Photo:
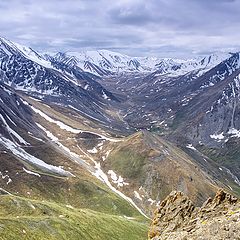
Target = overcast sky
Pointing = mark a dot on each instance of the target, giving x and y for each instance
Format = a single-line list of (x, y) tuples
[(164, 28)]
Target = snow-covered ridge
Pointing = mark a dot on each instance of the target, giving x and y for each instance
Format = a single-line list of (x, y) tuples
[(25, 51), (104, 61)]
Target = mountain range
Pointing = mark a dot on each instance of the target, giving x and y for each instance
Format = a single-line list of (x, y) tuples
[(102, 138)]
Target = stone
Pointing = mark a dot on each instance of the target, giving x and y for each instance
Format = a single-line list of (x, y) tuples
[(178, 219)]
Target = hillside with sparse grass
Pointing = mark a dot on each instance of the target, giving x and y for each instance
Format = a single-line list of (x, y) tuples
[(22, 218)]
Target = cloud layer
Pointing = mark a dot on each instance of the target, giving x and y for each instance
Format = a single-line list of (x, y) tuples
[(135, 27)]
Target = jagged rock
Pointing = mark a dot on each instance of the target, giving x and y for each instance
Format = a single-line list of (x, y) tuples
[(178, 218), (172, 213)]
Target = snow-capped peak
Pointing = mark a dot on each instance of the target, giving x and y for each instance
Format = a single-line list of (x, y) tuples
[(10, 48)]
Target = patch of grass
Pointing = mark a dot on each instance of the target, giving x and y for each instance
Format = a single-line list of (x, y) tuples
[(22, 219), (155, 129), (127, 162), (179, 118), (85, 193)]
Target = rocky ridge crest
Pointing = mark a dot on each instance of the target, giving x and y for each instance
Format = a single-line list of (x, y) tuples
[(178, 219)]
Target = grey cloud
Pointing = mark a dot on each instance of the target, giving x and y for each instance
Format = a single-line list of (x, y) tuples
[(138, 14), (135, 27)]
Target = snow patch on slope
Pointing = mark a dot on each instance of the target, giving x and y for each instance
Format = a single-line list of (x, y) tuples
[(62, 125), (30, 172), (217, 136), (234, 132), (22, 154), (65, 127), (12, 132), (117, 179), (190, 146)]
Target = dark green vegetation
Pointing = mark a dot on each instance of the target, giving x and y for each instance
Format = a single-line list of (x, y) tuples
[(228, 159), (128, 163)]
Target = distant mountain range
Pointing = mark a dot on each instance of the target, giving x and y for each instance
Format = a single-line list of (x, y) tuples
[(105, 62)]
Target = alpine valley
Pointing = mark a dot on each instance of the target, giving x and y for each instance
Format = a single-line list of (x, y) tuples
[(92, 142)]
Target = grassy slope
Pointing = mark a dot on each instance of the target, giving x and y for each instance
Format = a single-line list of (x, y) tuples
[(82, 191), (21, 218), (146, 160), (103, 217)]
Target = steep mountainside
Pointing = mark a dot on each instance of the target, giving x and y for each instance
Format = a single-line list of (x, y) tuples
[(20, 70), (210, 101), (144, 161), (210, 120)]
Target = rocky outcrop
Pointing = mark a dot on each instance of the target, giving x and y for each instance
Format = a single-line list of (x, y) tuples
[(177, 218)]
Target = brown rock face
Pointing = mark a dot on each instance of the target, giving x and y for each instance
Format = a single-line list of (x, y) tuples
[(172, 214), (178, 218)]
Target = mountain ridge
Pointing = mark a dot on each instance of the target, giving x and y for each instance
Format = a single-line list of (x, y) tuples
[(103, 62)]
